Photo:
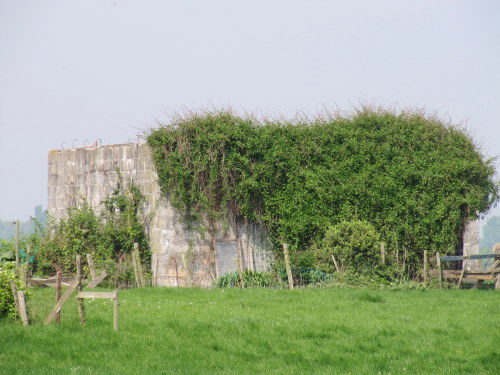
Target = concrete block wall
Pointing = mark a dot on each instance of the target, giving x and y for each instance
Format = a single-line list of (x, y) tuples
[(180, 257)]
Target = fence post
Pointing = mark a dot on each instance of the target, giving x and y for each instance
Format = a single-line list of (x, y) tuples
[(136, 261), (426, 268), (17, 246), (287, 265), (115, 311), (90, 261), (440, 270), (188, 271), (27, 265), (22, 307), (58, 295), (81, 306), (382, 252)]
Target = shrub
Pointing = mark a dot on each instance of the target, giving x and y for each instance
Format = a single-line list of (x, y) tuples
[(250, 278), (7, 302), (354, 244)]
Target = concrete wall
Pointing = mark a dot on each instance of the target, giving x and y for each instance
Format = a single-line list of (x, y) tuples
[(180, 255)]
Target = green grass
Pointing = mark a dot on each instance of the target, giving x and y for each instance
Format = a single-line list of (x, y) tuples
[(233, 331)]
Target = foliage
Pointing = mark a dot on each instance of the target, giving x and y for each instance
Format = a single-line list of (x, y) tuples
[(108, 236), (7, 302), (123, 225), (250, 279), (414, 178), (7, 250), (305, 276), (354, 244)]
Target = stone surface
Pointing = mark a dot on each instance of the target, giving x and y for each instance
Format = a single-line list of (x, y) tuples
[(180, 256)]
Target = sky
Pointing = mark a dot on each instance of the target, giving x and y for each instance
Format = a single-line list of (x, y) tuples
[(73, 72)]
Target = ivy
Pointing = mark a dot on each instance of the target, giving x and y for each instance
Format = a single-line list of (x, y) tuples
[(415, 179)]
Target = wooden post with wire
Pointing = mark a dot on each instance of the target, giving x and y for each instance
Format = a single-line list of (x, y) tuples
[(382, 253), (81, 306), (58, 295), (90, 261), (440, 270), (426, 268), (17, 246), (287, 265)]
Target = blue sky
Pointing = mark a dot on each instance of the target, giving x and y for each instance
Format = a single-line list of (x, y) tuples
[(75, 71)]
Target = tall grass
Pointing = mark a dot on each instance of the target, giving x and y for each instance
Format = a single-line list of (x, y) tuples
[(233, 331)]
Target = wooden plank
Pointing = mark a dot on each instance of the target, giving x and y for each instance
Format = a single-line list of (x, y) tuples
[(61, 302), (450, 258), (455, 274), (287, 265), (107, 295), (14, 293), (497, 284), (97, 280), (51, 281), (22, 308)]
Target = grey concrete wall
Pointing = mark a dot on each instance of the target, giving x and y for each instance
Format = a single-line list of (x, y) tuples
[(181, 256), (471, 239)]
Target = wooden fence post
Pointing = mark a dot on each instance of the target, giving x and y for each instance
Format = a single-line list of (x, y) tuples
[(462, 274), (22, 308), (27, 265), (81, 306), (90, 261), (58, 295), (440, 270), (115, 311), (136, 261), (287, 265), (382, 252), (17, 246), (335, 263), (188, 271), (426, 268)]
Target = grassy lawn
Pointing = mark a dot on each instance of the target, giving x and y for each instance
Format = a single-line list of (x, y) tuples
[(320, 331)]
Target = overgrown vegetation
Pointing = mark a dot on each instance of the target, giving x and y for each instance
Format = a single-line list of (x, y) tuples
[(411, 178), (108, 235), (7, 301)]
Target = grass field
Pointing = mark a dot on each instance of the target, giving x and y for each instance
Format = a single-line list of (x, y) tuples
[(253, 331)]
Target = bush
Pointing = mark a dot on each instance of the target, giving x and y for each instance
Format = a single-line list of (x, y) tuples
[(354, 244), (108, 236), (7, 302), (250, 278)]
